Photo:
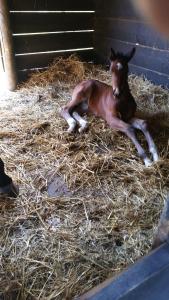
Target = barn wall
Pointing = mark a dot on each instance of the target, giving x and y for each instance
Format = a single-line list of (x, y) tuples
[(45, 29), (118, 25)]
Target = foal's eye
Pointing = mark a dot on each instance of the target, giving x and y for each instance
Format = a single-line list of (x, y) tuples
[(119, 66)]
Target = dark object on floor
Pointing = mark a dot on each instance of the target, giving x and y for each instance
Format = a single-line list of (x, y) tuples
[(7, 187)]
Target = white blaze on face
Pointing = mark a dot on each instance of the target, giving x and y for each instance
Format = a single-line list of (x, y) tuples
[(119, 66)]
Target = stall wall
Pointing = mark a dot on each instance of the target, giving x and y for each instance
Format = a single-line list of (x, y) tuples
[(118, 25), (45, 29)]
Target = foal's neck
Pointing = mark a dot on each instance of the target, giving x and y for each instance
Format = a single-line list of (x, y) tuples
[(124, 87)]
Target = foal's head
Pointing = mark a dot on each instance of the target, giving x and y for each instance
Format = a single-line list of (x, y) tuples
[(119, 69)]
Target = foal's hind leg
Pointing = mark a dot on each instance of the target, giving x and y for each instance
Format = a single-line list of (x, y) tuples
[(128, 129), (142, 125)]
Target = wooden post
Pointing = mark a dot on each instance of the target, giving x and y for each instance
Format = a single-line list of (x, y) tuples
[(1, 61), (7, 47)]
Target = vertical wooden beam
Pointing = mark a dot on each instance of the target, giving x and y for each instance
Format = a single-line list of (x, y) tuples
[(7, 47), (1, 61)]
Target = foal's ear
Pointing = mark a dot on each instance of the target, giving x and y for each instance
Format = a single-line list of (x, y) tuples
[(130, 55), (112, 54)]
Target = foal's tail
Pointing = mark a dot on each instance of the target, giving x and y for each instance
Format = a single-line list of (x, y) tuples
[(7, 187), (162, 234)]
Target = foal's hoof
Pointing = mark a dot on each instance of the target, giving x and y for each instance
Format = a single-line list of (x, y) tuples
[(83, 129), (147, 162), (72, 125), (155, 157), (71, 130)]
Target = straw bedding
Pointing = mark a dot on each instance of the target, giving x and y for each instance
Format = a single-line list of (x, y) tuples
[(107, 204)]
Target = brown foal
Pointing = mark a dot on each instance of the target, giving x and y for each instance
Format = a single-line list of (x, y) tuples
[(115, 104)]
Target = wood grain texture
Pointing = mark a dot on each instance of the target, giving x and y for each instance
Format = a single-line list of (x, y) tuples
[(52, 42), (7, 46), (117, 9), (47, 22), (43, 60), (50, 5)]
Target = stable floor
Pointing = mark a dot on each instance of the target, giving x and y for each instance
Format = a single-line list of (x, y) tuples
[(106, 204)]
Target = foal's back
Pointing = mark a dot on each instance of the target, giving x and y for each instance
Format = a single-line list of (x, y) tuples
[(100, 100), (97, 95)]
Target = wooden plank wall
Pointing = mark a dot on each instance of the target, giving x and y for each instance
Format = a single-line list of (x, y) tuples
[(118, 25), (41, 28)]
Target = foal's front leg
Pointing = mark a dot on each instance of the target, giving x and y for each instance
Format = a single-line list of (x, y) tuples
[(142, 125), (128, 129), (82, 122), (64, 112), (67, 110)]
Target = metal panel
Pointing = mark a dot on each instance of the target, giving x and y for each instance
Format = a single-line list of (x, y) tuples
[(131, 31), (118, 25), (146, 280), (146, 57)]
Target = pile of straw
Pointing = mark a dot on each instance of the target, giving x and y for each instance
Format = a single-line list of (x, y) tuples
[(108, 204), (68, 70)]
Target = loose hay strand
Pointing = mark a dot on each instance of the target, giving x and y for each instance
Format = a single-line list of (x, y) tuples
[(107, 203)]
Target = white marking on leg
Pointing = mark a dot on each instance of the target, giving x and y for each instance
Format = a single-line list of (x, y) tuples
[(155, 157), (72, 124), (154, 153), (142, 125), (83, 123), (147, 162)]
